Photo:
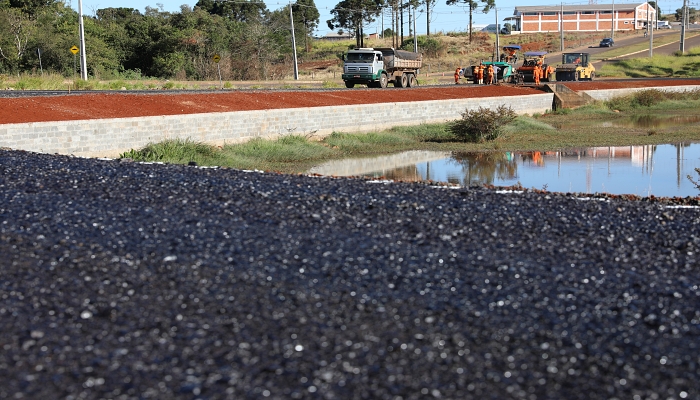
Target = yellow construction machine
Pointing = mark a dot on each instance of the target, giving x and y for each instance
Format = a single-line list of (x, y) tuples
[(575, 67)]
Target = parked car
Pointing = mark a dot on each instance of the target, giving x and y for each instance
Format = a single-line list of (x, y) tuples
[(664, 26), (607, 42)]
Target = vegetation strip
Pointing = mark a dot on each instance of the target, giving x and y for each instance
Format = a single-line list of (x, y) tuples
[(551, 131)]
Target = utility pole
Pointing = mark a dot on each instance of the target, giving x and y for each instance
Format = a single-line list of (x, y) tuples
[(415, 34), (683, 22), (498, 32), (612, 28), (647, 31), (294, 43), (81, 29), (561, 27), (651, 33)]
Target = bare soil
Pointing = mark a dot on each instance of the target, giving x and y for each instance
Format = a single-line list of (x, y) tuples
[(121, 105), (80, 106)]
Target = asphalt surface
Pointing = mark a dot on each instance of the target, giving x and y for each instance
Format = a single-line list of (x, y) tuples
[(122, 280)]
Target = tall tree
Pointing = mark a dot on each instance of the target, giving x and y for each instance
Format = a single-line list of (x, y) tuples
[(305, 11), (31, 7), (429, 7), (692, 14), (17, 30), (353, 14), (243, 11), (473, 5)]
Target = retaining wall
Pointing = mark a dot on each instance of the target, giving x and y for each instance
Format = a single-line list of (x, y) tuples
[(109, 137)]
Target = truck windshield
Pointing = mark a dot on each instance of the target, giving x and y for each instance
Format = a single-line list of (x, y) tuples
[(360, 57)]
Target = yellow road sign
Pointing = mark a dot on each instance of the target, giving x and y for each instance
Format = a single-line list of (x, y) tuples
[(216, 58), (74, 49)]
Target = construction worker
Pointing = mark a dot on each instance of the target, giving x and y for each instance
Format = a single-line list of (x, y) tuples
[(480, 74), (457, 73), (537, 73), (489, 74)]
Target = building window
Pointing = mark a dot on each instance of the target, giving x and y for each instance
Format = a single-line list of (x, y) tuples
[(531, 14), (627, 22), (569, 12), (549, 13), (606, 12), (587, 12)]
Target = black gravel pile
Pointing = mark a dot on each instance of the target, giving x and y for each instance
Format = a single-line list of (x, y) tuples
[(122, 280)]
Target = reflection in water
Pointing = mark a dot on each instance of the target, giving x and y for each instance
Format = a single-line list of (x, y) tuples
[(401, 166), (642, 170), (483, 168), (640, 121)]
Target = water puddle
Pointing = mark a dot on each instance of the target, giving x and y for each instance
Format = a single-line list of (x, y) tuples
[(659, 170), (641, 121)]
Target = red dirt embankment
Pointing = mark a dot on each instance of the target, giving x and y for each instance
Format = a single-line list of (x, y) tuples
[(120, 105), (79, 106)]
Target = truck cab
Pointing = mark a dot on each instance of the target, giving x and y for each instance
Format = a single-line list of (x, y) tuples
[(361, 66), (377, 67)]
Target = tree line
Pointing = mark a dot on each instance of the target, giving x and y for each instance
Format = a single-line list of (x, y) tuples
[(252, 42)]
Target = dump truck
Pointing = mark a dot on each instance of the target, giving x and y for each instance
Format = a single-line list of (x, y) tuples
[(574, 67), (531, 59), (377, 67)]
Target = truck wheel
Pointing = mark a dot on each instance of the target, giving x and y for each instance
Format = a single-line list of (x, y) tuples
[(401, 81), (592, 76), (349, 85), (412, 81), (576, 76), (383, 81)]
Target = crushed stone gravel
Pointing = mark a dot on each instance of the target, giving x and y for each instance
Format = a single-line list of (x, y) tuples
[(122, 280)]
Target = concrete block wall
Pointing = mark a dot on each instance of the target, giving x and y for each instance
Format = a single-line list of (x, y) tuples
[(110, 137)]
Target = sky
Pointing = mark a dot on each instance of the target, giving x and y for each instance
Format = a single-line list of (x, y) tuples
[(444, 18)]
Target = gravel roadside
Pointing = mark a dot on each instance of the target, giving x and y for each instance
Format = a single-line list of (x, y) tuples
[(124, 280)]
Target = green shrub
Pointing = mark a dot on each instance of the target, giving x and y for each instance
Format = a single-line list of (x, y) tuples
[(430, 46), (648, 98), (483, 124)]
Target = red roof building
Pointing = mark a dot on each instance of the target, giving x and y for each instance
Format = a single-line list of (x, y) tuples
[(583, 18)]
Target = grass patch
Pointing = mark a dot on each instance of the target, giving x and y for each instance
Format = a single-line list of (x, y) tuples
[(654, 99), (684, 65), (525, 123), (364, 143), (177, 151), (48, 81), (286, 149)]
